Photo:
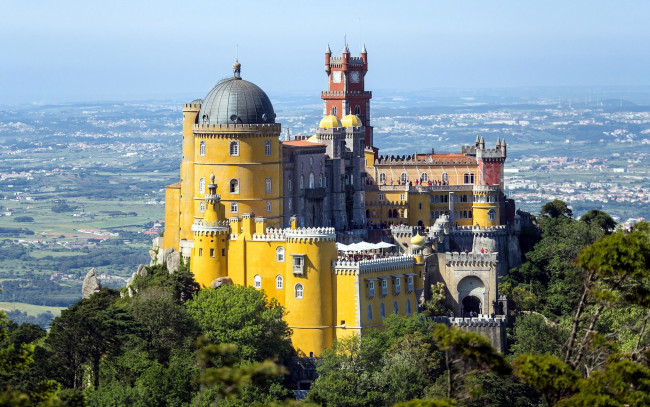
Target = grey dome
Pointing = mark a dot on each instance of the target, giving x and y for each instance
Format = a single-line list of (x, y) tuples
[(236, 101)]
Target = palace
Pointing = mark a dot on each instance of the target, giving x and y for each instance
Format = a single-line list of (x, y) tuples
[(274, 214)]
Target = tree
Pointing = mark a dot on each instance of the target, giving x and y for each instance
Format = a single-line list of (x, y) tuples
[(536, 334), (555, 209), (600, 219), (244, 317), (553, 378)]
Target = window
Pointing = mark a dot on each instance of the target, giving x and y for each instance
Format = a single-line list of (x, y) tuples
[(311, 160), (302, 181), (211, 252), (200, 252), (382, 310), (468, 178), (267, 147), (382, 178), (311, 180), (384, 286), (202, 148), (445, 178), (202, 206), (289, 184), (279, 282), (409, 283), (320, 180), (380, 197), (492, 215), (369, 312), (234, 207), (257, 281), (371, 289), (324, 181), (298, 291), (268, 206), (333, 111), (357, 110), (398, 285), (424, 177), (298, 264), (268, 184), (290, 204), (408, 306), (395, 307), (404, 178), (279, 254), (201, 185), (234, 186), (420, 206), (402, 197), (234, 148)]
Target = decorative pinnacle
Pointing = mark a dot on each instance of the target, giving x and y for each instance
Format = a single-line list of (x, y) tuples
[(329, 51), (236, 69), (363, 49), (499, 141)]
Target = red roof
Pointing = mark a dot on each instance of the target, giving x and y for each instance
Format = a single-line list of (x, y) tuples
[(302, 143)]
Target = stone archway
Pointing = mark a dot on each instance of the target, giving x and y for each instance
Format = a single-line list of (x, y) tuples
[(472, 295)]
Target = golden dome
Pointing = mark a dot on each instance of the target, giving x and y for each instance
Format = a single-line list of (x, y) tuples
[(330, 121), (313, 139), (351, 120), (417, 241)]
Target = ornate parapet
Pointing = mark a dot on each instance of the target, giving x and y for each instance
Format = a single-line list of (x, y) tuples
[(341, 266), (457, 259), (201, 228), (481, 320), (272, 235), (301, 235)]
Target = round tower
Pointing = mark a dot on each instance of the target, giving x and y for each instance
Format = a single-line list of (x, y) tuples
[(209, 255)]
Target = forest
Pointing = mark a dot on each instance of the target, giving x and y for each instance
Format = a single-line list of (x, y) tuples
[(577, 336)]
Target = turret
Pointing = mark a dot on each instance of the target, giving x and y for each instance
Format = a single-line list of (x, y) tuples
[(482, 143), (346, 58), (364, 55), (503, 148), (328, 56)]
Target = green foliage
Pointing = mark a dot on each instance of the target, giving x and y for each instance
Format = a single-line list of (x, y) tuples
[(493, 390), (61, 206), (536, 334), (23, 219), (548, 374), (427, 403), (556, 209), (600, 219), (180, 283), (244, 317), (437, 304)]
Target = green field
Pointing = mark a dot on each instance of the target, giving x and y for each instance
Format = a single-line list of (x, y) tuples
[(30, 309)]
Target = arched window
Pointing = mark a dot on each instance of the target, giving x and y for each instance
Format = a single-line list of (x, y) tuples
[(257, 281), (202, 206), (267, 147), (324, 181), (201, 185), (234, 148), (234, 186), (289, 184), (320, 180), (424, 177), (202, 148), (279, 254), (302, 181), (395, 307), (311, 180), (234, 207), (369, 312), (333, 111), (382, 178), (492, 214), (404, 178), (311, 160), (357, 110), (290, 204), (382, 310), (268, 206), (268, 185), (408, 306), (299, 291), (279, 282)]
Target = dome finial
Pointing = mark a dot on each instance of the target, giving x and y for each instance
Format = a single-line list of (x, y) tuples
[(236, 69)]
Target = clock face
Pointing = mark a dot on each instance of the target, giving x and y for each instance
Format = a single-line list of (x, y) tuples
[(336, 76), (355, 77)]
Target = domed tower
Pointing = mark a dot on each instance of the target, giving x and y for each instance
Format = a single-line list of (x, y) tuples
[(232, 134), (209, 254)]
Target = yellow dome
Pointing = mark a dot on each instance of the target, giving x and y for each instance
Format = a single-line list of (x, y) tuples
[(330, 121), (417, 241), (313, 139), (351, 120)]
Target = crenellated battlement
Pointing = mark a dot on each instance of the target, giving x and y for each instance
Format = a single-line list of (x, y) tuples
[(330, 93), (235, 128), (481, 320), (342, 266), (201, 228), (431, 159), (471, 259), (318, 234), (192, 106)]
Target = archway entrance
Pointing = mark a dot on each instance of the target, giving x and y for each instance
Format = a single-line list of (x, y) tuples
[(471, 306)]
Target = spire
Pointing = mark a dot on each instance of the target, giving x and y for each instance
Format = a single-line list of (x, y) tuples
[(346, 50), (329, 51), (498, 141), (363, 49), (236, 69), (482, 142), (477, 140), (503, 142)]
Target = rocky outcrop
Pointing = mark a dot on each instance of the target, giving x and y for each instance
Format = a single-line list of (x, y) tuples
[(173, 261), (221, 281), (91, 284)]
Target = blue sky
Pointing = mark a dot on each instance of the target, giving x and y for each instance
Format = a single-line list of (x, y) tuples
[(72, 50)]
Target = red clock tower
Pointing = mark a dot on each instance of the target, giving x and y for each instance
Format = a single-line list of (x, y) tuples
[(346, 94)]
